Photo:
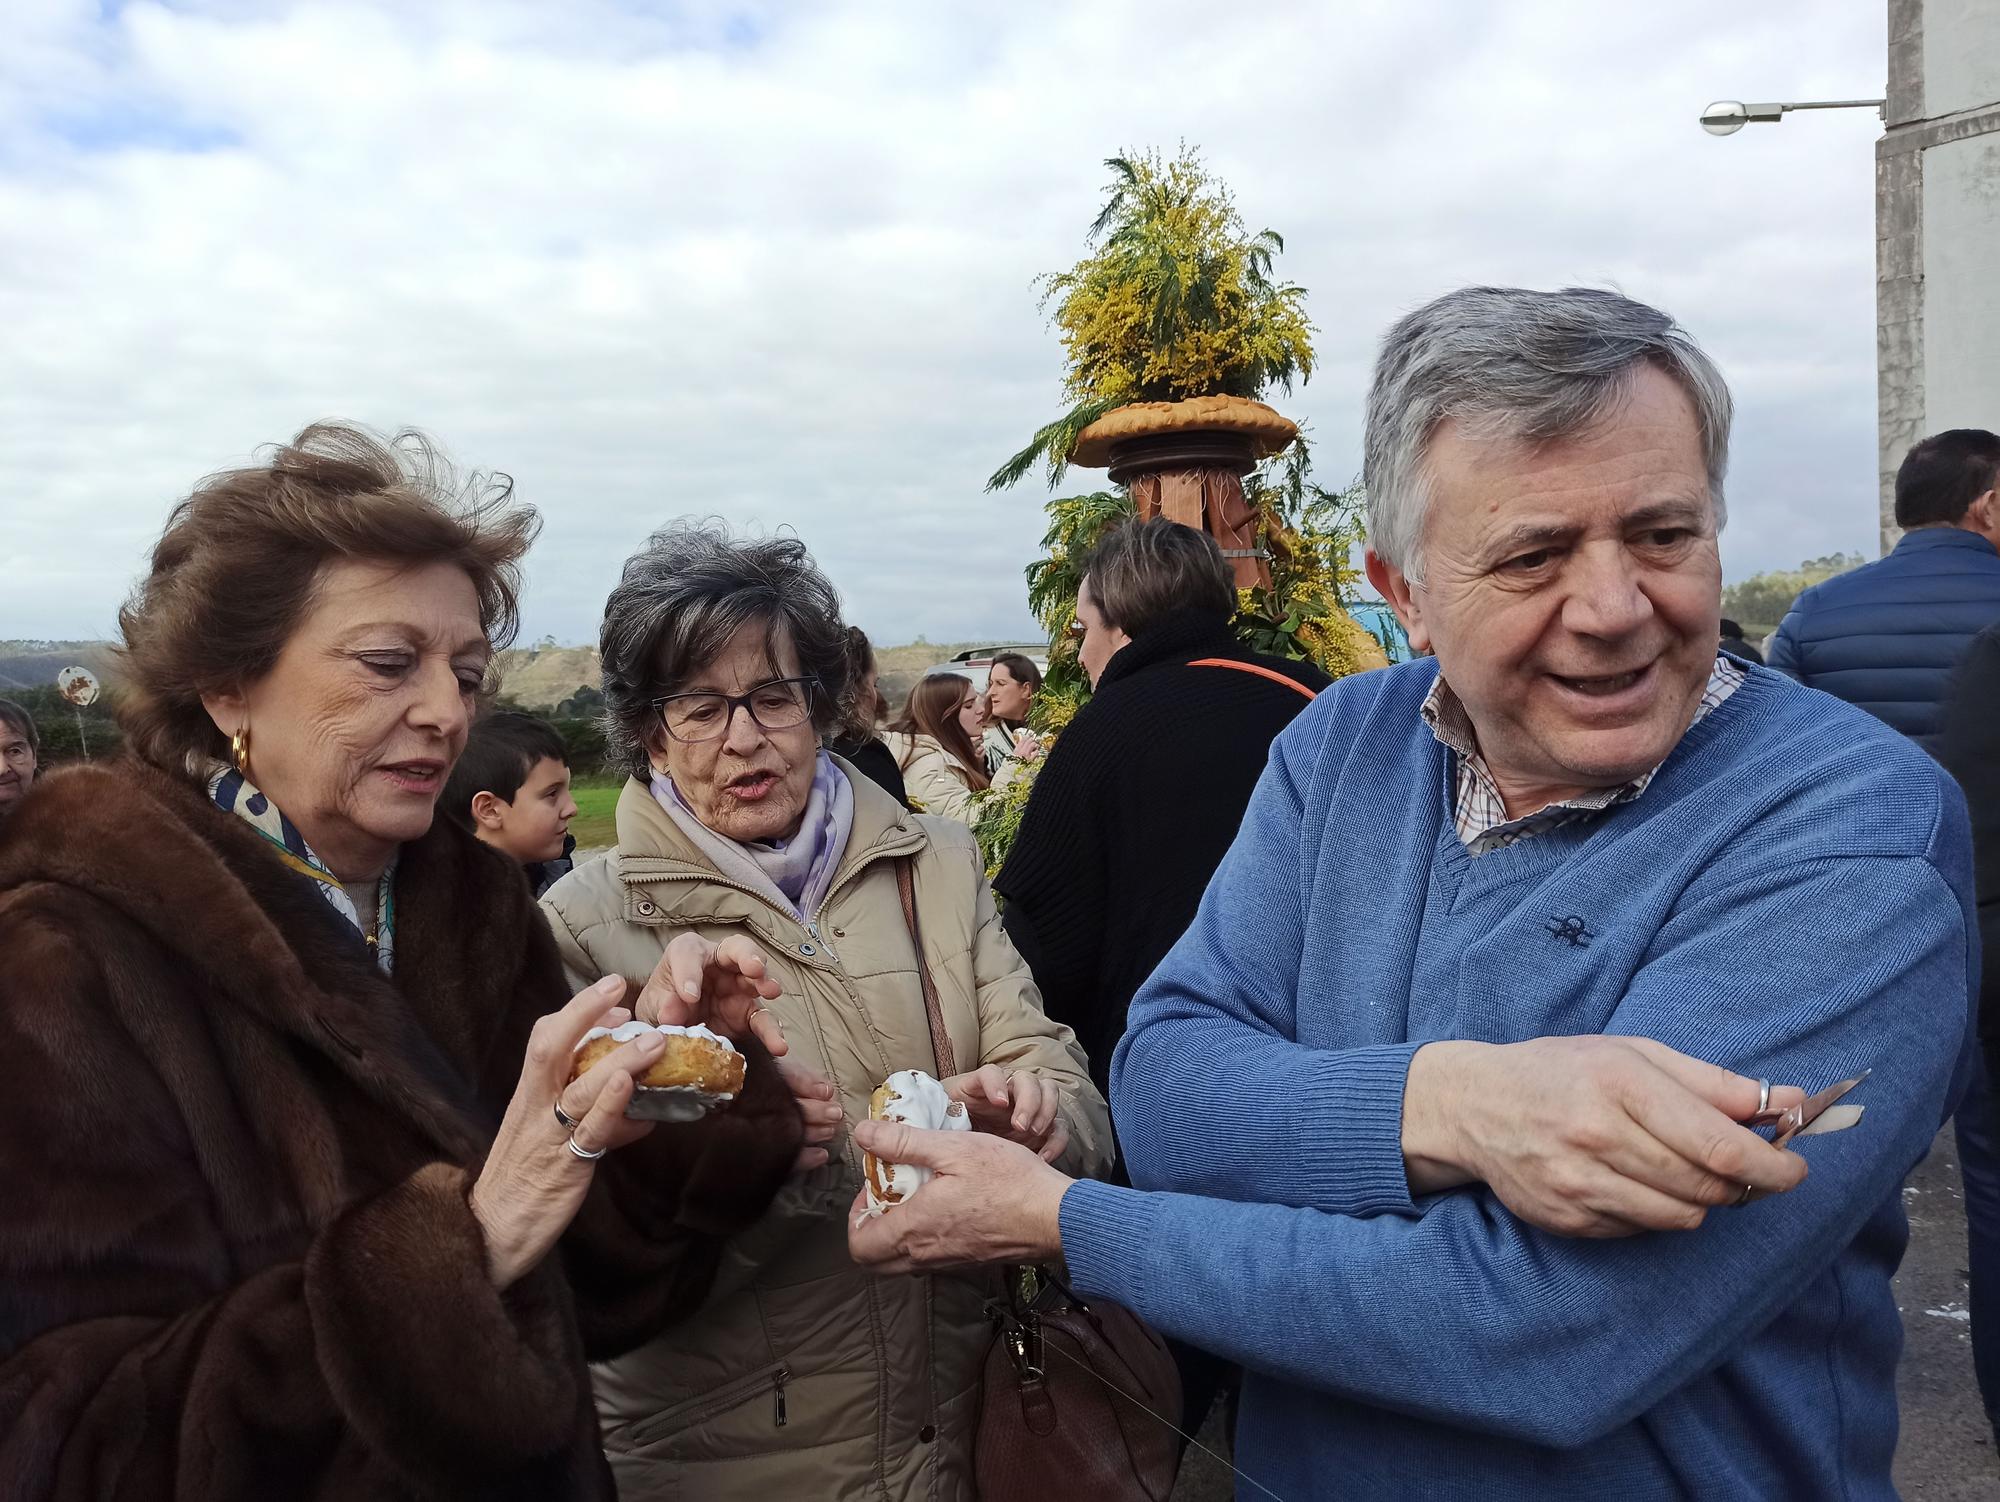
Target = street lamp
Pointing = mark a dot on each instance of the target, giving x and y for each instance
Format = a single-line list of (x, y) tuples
[(1727, 116)]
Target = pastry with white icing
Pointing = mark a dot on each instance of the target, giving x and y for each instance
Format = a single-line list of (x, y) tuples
[(698, 1070), (915, 1099)]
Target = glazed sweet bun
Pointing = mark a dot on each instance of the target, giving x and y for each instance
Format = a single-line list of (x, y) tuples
[(915, 1099), (697, 1072)]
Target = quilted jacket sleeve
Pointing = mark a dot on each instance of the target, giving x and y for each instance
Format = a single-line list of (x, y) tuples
[(1785, 653)]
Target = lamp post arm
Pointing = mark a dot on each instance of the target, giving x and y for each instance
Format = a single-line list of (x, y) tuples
[(1835, 104)]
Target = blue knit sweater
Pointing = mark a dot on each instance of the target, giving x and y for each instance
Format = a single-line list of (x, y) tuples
[(1791, 897)]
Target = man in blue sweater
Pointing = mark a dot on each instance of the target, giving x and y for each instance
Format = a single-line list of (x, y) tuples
[(1418, 1108)]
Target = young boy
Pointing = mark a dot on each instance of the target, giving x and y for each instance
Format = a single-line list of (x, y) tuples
[(511, 789)]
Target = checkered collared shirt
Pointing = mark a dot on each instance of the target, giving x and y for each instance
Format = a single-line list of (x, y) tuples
[(1481, 813)]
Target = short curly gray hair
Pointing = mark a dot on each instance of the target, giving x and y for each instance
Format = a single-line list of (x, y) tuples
[(678, 602)]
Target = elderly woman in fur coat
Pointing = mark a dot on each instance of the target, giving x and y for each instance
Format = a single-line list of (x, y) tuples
[(299, 1198)]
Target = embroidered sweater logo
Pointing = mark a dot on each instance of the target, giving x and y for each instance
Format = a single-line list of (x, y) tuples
[(1572, 928)]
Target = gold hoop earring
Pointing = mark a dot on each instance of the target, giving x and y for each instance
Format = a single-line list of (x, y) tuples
[(239, 751)]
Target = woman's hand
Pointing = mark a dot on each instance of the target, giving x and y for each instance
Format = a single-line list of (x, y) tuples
[(724, 987), (532, 1184), (812, 1093), (1590, 1136), (990, 1201), (1014, 1104)]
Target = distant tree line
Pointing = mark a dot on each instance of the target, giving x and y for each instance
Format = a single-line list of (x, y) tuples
[(1759, 602), (65, 737)]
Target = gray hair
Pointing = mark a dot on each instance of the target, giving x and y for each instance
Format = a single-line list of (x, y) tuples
[(1511, 363), (683, 596)]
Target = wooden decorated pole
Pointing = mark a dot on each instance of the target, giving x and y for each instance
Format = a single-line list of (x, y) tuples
[(1186, 461)]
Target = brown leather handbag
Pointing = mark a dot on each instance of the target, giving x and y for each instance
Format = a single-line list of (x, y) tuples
[(1081, 1399)]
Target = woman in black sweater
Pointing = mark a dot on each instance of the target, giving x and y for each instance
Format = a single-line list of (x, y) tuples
[(1144, 790), (1141, 797)]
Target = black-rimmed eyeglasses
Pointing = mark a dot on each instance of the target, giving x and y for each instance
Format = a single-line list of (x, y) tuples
[(781, 704)]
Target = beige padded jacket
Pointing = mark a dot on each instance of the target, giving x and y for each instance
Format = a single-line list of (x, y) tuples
[(804, 1376), (932, 776)]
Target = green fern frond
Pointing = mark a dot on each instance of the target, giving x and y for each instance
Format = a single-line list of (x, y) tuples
[(997, 815), (1052, 444), (1016, 468), (1125, 181)]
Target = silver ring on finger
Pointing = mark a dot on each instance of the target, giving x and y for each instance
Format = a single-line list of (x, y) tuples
[(1763, 1096), (569, 1122), (1744, 1198), (583, 1152)]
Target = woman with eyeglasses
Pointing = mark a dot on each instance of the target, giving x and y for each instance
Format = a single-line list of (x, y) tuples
[(725, 664)]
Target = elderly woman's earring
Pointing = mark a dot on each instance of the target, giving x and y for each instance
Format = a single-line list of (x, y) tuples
[(239, 750)]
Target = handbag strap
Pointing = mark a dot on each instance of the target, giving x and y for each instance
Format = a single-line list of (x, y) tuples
[(906, 888), (1262, 672)]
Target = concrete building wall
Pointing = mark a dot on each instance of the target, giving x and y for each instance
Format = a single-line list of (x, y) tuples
[(1962, 283), (1961, 56), (1937, 215)]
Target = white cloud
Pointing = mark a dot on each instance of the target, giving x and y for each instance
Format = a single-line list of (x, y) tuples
[(775, 263)]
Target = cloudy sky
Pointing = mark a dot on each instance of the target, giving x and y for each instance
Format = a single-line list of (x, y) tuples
[(774, 262)]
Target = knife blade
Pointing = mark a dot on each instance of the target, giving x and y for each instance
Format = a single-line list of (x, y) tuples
[(1803, 1118), (1833, 1119)]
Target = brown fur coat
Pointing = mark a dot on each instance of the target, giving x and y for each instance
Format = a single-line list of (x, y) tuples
[(236, 1258)]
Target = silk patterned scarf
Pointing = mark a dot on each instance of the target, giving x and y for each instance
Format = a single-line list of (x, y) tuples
[(234, 793)]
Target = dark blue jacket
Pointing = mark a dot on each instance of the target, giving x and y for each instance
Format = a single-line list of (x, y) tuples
[(1887, 637), (1970, 751)]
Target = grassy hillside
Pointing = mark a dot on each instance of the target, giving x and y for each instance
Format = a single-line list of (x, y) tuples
[(541, 677), (596, 797), (34, 664)]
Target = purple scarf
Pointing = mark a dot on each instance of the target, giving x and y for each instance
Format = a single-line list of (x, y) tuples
[(796, 873)]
